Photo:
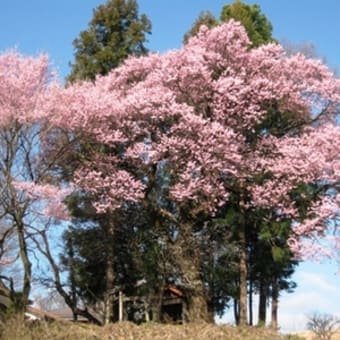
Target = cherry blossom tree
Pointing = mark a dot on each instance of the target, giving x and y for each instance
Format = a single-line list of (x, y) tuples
[(24, 172), (227, 119)]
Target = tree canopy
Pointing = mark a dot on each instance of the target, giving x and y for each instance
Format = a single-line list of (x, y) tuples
[(116, 31), (256, 24), (227, 120), (258, 27), (213, 155)]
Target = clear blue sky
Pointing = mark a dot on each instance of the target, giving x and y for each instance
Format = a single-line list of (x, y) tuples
[(50, 26)]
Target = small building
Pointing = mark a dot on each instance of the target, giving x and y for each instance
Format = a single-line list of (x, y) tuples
[(173, 305), (172, 309), (66, 313), (59, 314)]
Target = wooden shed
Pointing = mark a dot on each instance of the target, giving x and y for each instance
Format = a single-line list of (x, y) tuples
[(173, 305)]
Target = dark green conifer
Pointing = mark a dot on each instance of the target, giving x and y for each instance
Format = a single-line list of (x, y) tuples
[(115, 32)]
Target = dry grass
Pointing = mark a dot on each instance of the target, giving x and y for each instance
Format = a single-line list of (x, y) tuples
[(308, 335), (16, 329)]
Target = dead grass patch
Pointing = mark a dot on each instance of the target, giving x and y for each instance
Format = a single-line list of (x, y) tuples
[(18, 329)]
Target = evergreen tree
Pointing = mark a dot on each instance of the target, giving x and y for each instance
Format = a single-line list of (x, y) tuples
[(258, 27), (115, 32), (205, 18), (137, 250)]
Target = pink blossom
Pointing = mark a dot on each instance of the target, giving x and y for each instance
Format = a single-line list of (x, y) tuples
[(204, 109), (52, 197)]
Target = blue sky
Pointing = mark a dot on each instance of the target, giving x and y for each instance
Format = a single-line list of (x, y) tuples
[(49, 26)]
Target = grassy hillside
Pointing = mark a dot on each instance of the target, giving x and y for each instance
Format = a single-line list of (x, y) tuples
[(16, 329)]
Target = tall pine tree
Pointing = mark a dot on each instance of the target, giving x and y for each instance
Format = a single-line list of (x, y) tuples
[(116, 31)]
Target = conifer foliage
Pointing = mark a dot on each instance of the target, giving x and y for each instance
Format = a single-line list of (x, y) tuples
[(256, 24), (116, 31)]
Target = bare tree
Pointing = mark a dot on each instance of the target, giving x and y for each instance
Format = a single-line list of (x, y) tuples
[(323, 326)]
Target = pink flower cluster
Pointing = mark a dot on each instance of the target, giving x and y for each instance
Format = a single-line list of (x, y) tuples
[(202, 109)]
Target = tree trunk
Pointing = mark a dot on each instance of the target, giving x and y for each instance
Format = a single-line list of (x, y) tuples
[(250, 302), (109, 273), (197, 308), (275, 303), (237, 312), (156, 313), (243, 282), (212, 250), (187, 257), (262, 303), (243, 267), (26, 264), (73, 291), (108, 295), (156, 302)]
